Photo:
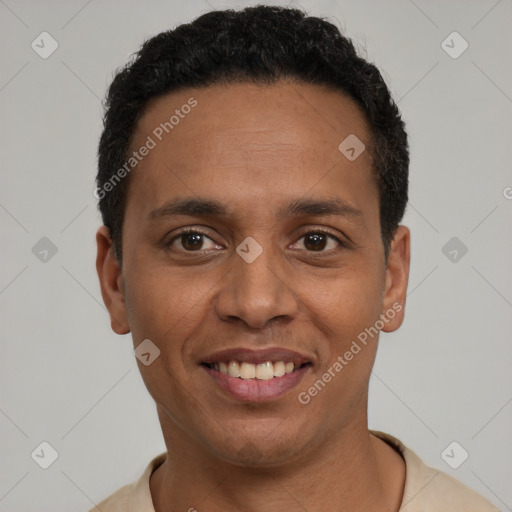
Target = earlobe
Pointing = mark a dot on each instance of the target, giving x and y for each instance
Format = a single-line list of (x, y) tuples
[(111, 282), (397, 278)]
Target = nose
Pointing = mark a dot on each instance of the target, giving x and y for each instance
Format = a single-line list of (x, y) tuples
[(256, 293)]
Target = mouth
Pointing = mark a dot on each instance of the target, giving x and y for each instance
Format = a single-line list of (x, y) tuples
[(251, 371), (256, 376)]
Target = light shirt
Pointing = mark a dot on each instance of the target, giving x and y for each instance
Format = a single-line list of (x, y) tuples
[(426, 489)]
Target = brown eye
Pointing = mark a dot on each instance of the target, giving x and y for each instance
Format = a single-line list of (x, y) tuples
[(319, 241), (191, 240), (315, 241)]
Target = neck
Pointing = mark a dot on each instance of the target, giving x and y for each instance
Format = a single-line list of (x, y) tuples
[(354, 471)]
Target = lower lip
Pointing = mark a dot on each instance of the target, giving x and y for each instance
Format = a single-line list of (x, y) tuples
[(255, 390)]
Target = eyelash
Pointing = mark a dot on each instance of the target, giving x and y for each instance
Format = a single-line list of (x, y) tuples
[(198, 231)]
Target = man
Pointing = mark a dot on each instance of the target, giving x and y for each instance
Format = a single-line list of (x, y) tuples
[(253, 174)]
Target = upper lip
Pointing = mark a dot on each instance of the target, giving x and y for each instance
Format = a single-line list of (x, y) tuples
[(257, 356)]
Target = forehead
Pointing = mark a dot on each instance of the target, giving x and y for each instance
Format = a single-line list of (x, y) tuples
[(251, 139), (284, 112)]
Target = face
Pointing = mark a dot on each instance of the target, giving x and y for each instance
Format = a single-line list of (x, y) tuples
[(252, 244)]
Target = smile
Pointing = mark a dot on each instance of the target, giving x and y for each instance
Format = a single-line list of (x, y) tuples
[(261, 371), (250, 375)]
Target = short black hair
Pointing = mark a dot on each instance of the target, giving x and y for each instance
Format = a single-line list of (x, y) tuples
[(261, 44)]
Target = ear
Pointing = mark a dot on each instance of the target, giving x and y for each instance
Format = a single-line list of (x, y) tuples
[(397, 278), (111, 282)]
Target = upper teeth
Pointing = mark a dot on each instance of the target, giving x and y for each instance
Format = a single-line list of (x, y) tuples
[(261, 371)]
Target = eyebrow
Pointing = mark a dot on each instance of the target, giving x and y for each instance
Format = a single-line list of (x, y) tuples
[(197, 207)]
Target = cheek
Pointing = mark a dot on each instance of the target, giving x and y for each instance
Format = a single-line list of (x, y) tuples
[(162, 302), (166, 309), (169, 308), (345, 314), (347, 304)]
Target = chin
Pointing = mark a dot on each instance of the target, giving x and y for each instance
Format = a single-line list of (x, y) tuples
[(264, 449)]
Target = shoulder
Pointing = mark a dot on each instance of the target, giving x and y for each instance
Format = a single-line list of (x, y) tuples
[(116, 502), (133, 497), (443, 492), (430, 490)]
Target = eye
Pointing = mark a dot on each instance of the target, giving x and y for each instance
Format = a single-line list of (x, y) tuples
[(318, 241), (192, 240)]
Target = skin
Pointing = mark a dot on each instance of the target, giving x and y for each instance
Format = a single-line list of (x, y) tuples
[(256, 149)]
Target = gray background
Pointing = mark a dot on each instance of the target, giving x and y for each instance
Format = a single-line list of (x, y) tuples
[(68, 380)]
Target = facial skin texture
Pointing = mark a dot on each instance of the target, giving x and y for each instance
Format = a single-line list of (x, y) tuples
[(255, 149)]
